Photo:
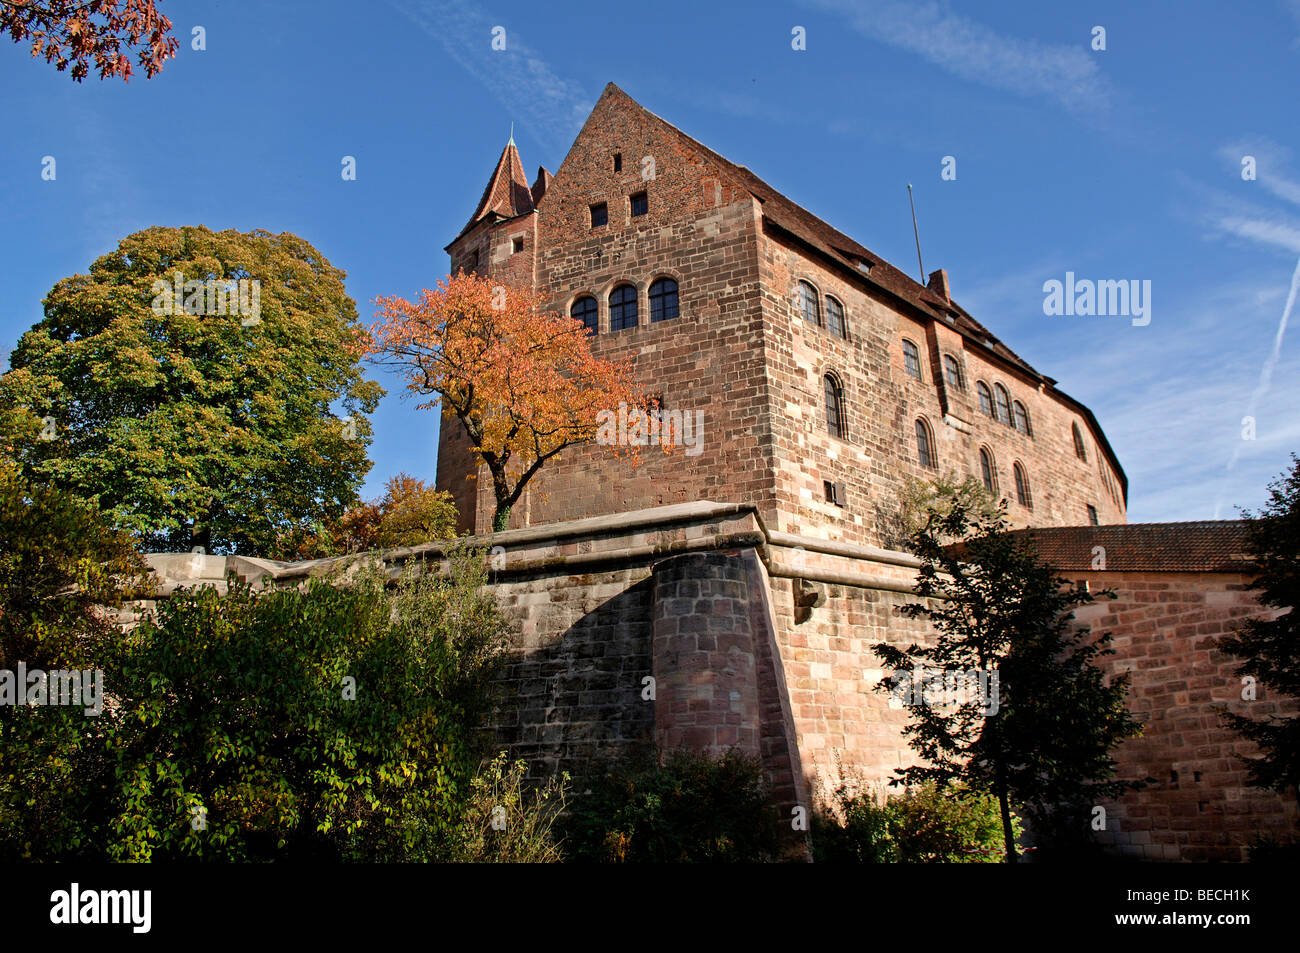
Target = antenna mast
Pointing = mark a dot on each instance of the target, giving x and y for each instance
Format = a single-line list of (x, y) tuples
[(916, 232)]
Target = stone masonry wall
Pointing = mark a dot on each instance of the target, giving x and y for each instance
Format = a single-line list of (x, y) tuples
[(1164, 626), (882, 404), (763, 639)]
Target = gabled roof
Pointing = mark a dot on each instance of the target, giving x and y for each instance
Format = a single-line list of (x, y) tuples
[(783, 215), (507, 194)]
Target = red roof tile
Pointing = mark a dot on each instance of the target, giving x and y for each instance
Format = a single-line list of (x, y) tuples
[(507, 193), (1197, 546)]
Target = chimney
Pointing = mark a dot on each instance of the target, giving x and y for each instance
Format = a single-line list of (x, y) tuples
[(938, 283)]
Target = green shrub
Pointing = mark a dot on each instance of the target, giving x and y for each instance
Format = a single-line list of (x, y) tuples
[(923, 825), (507, 821), (340, 722), (690, 808)]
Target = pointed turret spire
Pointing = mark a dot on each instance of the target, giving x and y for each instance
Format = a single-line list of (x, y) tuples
[(507, 194)]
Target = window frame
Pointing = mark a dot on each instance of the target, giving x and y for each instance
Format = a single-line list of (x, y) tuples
[(594, 327), (985, 399), (989, 470), (1024, 495), (951, 369), (604, 213), (662, 296), (925, 433), (1019, 415), (623, 305), (1002, 401), (910, 358), (644, 198), (843, 332), (808, 293), (1080, 449), (832, 386)]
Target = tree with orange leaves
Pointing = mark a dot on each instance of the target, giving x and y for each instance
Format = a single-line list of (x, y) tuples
[(522, 381), (79, 31)]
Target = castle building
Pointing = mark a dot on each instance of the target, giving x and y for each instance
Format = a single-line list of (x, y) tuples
[(732, 599), (821, 375)]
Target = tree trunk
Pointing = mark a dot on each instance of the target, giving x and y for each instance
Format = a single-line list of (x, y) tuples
[(1008, 835), (501, 518)]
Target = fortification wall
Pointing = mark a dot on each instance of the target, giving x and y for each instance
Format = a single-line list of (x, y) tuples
[(696, 625)]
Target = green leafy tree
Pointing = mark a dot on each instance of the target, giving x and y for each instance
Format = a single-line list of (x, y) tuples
[(923, 825), (920, 498), (409, 513), (1045, 748), (202, 418), (63, 574), (1269, 648), (332, 723)]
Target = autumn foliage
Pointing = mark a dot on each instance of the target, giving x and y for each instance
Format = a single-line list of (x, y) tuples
[(409, 513), (77, 33), (522, 381)]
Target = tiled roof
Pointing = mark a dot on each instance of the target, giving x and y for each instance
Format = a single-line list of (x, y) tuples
[(806, 227), (1198, 546), (507, 193)]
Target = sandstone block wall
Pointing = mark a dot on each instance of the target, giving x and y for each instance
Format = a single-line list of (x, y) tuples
[(1165, 626), (763, 640)]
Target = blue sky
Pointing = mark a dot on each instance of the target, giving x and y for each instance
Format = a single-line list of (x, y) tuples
[(1116, 164)]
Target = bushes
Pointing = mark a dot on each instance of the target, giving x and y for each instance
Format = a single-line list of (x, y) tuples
[(924, 825), (506, 820), (335, 723), (692, 808)]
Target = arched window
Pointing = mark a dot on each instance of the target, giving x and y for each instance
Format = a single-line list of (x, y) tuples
[(1003, 403), (808, 303), (1022, 486), (1021, 418), (911, 359), (622, 308), (925, 445), (952, 372), (663, 300), (1079, 450), (986, 398), (586, 310), (835, 423), (835, 317), (988, 470)]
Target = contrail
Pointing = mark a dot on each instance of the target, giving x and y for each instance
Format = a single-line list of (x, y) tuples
[(1265, 378)]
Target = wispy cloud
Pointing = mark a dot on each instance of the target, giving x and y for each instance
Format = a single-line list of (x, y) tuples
[(1265, 378), (1067, 75), (1292, 7), (550, 107)]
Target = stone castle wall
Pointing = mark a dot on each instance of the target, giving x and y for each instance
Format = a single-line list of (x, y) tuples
[(741, 355), (760, 640)]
